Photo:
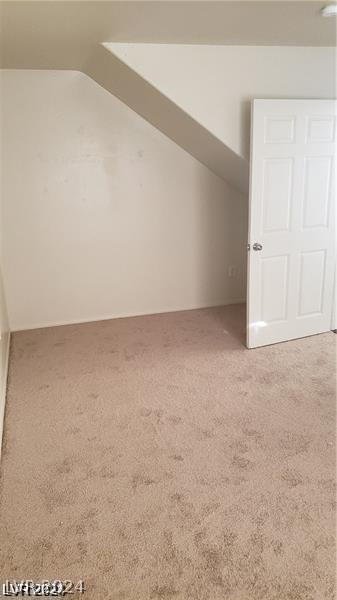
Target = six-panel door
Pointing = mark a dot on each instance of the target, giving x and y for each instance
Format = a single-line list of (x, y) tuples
[(292, 216)]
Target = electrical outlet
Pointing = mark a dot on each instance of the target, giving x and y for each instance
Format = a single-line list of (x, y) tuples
[(232, 271)]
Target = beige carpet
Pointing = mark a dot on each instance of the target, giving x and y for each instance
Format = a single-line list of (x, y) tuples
[(157, 458)]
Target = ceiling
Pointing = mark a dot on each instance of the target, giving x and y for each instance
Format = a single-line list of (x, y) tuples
[(61, 34)]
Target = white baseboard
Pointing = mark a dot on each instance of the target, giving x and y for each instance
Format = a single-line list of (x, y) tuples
[(94, 318), (3, 389)]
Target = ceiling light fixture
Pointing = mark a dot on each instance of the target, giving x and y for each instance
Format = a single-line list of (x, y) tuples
[(329, 11)]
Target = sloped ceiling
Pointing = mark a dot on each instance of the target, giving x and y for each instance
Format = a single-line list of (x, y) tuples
[(56, 34), (126, 84), (215, 84)]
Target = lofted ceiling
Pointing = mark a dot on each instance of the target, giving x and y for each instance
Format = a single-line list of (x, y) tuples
[(62, 34)]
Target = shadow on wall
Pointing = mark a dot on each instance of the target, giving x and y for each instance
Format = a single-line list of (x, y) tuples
[(222, 222), (223, 231), (245, 119)]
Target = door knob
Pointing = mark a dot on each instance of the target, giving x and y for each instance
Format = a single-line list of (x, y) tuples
[(257, 247)]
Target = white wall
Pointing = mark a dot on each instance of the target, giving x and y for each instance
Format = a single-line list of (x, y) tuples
[(215, 84), (103, 215), (4, 354), (4, 326)]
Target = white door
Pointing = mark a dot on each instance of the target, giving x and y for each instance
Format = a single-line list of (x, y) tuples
[(292, 218)]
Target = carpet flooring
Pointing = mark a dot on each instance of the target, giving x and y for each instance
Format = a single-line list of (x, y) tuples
[(157, 458)]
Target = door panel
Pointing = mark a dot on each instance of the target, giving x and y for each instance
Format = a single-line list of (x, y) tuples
[(311, 276), (278, 130), (274, 288), (292, 214), (277, 186), (321, 129), (317, 185)]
